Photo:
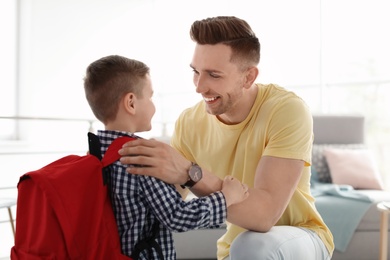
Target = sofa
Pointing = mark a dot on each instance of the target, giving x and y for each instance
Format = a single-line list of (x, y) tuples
[(349, 209), (347, 132)]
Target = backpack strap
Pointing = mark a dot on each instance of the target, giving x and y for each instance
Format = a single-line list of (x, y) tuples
[(94, 145), (148, 244), (112, 154), (110, 157)]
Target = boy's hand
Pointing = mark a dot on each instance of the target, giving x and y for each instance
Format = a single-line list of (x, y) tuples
[(234, 191)]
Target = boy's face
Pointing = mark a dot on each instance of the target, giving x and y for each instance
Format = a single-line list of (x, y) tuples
[(146, 108)]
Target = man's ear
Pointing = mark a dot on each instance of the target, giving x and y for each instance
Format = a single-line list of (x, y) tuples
[(251, 76), (128, 103)]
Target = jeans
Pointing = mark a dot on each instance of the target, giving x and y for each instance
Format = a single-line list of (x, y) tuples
[(280, 243)]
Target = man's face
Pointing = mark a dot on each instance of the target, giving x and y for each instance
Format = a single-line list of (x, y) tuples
[(217, 79)]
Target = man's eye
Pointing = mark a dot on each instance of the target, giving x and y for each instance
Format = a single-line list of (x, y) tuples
[(214, 75), (195, 71)]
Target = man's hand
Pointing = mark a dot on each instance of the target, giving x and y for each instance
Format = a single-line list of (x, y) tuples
[(156, 159)]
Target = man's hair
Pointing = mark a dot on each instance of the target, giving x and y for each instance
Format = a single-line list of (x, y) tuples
[(230, 31), (108, 79)]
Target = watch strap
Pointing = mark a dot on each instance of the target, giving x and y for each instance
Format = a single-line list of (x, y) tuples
[(188, 184)]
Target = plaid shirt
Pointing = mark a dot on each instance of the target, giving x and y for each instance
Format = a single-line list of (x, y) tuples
[(140, 201)]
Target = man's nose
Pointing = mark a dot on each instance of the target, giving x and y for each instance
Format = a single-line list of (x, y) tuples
[(200, 85)]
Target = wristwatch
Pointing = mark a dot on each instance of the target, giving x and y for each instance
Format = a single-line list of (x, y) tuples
[(194, 175)]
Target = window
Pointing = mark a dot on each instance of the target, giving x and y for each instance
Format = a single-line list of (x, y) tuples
[(332, 53), (8, 65)]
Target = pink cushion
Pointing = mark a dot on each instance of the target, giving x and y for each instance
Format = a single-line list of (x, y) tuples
[(353, 167)]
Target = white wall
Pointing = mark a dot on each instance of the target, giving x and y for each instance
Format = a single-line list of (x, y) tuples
[(302, 49), (60, 38)]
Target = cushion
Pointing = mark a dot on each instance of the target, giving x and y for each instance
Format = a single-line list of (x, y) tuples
[(353, 167), (319, 164)]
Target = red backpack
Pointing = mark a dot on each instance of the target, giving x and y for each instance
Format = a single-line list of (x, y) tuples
[(64, 209)]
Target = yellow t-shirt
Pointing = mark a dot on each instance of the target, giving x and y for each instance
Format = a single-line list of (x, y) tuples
[(280, 125)]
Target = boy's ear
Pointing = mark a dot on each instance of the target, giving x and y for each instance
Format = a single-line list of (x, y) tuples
[(128, 102)]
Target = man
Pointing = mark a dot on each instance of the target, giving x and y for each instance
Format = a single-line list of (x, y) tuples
[(260, 134)]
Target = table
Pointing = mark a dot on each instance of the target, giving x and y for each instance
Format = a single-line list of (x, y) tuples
[(8, 203), (384, 208)]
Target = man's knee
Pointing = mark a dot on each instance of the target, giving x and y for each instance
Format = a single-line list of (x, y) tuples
[(252, 245), (281, 242)]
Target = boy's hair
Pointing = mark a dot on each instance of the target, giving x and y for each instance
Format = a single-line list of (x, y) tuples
[(231, 31), (108, 79)]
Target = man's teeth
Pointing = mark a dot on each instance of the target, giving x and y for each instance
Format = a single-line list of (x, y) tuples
[(210, 99)]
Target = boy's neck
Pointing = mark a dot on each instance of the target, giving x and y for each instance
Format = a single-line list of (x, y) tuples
[(120, 126)]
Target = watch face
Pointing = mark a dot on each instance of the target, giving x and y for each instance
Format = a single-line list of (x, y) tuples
[(195, 173)]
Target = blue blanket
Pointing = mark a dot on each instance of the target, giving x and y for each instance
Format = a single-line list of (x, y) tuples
[(342, 209)]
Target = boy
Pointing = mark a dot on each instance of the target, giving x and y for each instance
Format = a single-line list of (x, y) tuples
[(119, 92)]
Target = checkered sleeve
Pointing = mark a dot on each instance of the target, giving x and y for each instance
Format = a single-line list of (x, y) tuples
[(179, 215)]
